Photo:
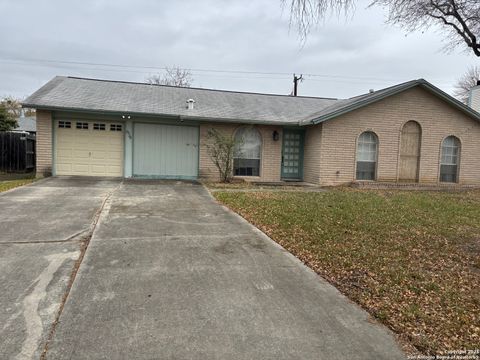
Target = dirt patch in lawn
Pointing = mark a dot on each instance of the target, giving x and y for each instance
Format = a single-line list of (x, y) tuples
[(409, 258)]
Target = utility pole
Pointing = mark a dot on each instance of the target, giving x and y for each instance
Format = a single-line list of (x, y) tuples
[(296, 79)]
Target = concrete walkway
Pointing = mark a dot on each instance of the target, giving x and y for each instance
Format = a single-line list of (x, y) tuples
[(170, 274)]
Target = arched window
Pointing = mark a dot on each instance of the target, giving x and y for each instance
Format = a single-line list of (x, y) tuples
[(450, 159), (246, 159), (367, 148)]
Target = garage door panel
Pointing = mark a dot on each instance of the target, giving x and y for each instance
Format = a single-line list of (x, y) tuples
[(165, 150), (80, 168), (64, 167), (89, 152), (80, 153)]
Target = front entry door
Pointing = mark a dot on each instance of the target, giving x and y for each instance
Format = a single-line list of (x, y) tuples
[(292, 155)]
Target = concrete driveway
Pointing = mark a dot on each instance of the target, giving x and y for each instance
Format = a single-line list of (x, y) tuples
[(42, 228), (170, 274)]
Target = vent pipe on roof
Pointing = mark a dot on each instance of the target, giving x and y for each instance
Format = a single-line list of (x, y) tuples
[(190, 103), (371, 91)]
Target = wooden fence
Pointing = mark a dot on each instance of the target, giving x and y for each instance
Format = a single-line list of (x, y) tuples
[(17, 152)]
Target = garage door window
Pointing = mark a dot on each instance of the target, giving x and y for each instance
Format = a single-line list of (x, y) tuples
[(82, 125), (115, 127), (64, 124), (97, 126), (246, 161)]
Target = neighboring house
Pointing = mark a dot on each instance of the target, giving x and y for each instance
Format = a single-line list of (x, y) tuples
[(27, 124), (411, 132)]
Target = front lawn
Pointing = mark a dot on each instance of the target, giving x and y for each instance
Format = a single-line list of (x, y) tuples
[(412, 259), (10, 184)]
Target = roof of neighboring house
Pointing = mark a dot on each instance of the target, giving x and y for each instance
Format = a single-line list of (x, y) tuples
[(80, 94), (27, 123), (346, 105), (120, 97)]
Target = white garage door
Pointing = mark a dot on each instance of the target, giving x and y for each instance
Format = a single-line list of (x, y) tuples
[(91, 148), (165, 151)]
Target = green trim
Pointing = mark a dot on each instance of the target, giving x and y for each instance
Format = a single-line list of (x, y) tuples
[(157, 115), (164, 177), (299, 176), (54, 143), (198, 154)]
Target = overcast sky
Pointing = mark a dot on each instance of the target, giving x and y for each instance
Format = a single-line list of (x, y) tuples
[(349, 56)]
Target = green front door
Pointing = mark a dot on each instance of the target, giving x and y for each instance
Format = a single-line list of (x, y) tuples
[(292, 154)]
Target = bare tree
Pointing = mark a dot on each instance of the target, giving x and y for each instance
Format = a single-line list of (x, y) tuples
[(460, 19), (174, 76), (466, 83)]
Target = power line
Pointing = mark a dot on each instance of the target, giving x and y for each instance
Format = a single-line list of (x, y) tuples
[(197, 70), (219, 74)]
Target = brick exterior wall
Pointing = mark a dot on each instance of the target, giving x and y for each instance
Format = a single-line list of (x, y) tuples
[(311, 163), (330, 147), (271, 152), (386, 118), (44, 142)]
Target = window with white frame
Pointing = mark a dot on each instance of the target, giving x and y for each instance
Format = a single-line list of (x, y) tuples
[(367, 149), (450, 159), (247, 155), (64, 124)]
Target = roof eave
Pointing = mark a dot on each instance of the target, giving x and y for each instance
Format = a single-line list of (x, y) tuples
[(173, 116)]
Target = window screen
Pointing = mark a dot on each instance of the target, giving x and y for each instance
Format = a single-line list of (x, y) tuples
[(449, 159), (246, 159), (367, 148)]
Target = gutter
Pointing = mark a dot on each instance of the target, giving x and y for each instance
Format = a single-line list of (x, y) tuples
[(171, 116)]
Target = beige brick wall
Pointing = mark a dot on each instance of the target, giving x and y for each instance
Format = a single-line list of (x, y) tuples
[(386, 118), (271, 152), (311, 160), (44, 142)]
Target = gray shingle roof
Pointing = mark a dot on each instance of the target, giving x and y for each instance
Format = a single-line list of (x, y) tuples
[(137, 98), (69, 93)]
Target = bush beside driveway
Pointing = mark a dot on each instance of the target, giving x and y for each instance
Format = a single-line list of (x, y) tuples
[(410, 258)]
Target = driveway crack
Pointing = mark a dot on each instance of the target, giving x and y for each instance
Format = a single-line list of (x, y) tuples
[(86, 236)]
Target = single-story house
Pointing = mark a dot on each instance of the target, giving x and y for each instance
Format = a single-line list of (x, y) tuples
[(411, 132)]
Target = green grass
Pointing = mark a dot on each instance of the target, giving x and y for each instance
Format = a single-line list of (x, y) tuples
[(412, 259), (10, 184)]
